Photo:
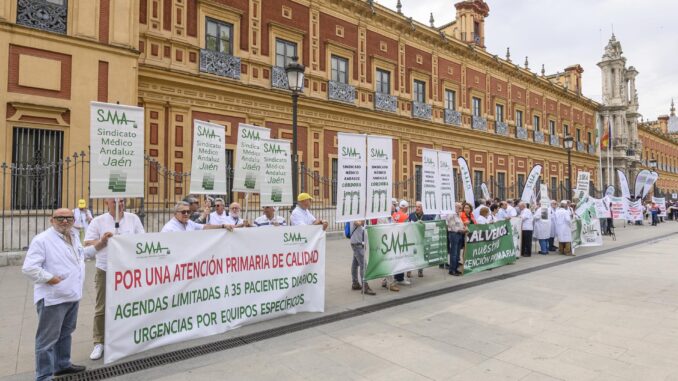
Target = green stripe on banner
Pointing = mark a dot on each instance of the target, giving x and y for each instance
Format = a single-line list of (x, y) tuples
[(396, 248), (489, 246)]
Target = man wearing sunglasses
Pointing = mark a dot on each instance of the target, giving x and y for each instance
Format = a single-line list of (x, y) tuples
[(181, 222), (219, 216), (101, 225), (55, 262)]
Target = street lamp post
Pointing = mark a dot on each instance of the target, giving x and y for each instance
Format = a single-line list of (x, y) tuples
[(295, 82), (568, 141)]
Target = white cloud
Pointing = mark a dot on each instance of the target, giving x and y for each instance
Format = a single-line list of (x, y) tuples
[(559, 33)]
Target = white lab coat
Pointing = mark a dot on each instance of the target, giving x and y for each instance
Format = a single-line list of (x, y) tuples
[(542, 227), (563, 220), (552, 218)]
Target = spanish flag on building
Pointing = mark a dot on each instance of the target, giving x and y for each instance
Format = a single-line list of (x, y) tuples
[(605, 139)]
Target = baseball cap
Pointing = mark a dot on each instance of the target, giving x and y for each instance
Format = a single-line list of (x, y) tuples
[(304, 197), (404, 204), (82, 203)]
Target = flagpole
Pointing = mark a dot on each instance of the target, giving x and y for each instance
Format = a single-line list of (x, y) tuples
[(599, 139), (610, 148)]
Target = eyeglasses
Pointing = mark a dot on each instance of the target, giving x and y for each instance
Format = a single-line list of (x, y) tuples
[(219, 206), (184, 212), (64, 218), (235, 208)]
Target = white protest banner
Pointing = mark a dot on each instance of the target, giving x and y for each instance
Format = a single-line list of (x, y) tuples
[(609, 191), (248, 161), (649, 182), (276, 175), (584, 205), (516, 227), (165, 288), (117, 150), (379, 176), (602, 208), (466, 181), (486, 192), (430, 182), (544, 200), (351, 180), (618, 207), (674, 195), (530, 184), (208, 165), (588, 231), (635, 210), (623, 184), (583, 183), (641, 178), (661, 202), (446, 182)]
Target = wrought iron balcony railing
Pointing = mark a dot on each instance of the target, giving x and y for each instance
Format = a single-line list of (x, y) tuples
[(385, 102), (42, 14), (580, 147), (554, 140), (479, 123), (500, 128), (219, 63), (539, 137), (452, 117), (279, 78), (421, 110), (341, 92), (521, 133)]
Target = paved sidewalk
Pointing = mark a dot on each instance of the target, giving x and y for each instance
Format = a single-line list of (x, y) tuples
[(18, 323)]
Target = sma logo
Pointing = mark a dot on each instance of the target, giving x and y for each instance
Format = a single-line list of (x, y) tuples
[(377, 153), (292, 238), (273, 148), (113, 117), (350, 152), (208, 133), (397, 244), (151, 249), (249, 134)]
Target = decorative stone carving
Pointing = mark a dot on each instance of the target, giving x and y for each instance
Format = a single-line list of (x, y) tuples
[(42, 14), (421, 110), (385, 102), (341, 92), (479, 123), (220, 64)]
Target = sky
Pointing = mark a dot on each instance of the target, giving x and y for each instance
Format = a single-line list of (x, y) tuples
[(560, 33)]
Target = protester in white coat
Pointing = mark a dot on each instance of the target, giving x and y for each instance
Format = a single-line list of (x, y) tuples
[(542, 229), (552, 217), (563, 221)]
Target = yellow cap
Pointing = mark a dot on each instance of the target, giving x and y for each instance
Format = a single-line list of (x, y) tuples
[(304, 197), (82, 203)]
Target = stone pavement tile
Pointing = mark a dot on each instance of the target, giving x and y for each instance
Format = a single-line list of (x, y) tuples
[(582, 344), (536, 376), (493, 370)]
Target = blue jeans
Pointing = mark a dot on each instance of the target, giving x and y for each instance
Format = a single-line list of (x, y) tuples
[(53, 339), (454, 245), (544, 245), (552, 246)]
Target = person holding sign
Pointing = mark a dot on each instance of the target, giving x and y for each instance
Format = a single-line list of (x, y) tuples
[(233, 217), (301, 215), (55, 263), (100, 227), (181, 221), (219, 216), (269, 218), (527, 225), (418, 215)]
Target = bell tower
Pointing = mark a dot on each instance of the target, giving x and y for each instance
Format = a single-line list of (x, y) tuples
[(470, 21)]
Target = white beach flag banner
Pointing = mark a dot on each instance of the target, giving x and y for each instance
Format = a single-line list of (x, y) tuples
[(248, 158), (208, 165), (649, 182), (486, 192), (530, 184), (165, 288), (351, 177), (466, 181), (624, 184), (116, 150), (446, 182), (641, 179), (430, 182), (379, 176), (276, 173)]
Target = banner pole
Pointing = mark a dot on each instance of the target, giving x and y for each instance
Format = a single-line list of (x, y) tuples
[(117, 216), (247, 201)]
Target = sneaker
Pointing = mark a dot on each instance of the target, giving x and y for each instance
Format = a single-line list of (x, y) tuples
[(404, 282), (73, 369), (368, 291), (420, 274), (97, 352), (356, 286), (394, 287)]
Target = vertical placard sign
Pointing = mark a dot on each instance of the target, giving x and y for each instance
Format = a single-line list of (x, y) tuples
[(208, 166), (117, 150), (469, 197), (276, 173), (379, 176), (430, 191), (446, 182), (351, 177), (583, 184), (248, 162), (531, 183)]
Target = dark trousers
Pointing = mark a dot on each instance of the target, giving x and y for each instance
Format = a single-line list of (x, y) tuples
[(552, 244), (455, 242), (526, 243), (399, 277), (53, 339)]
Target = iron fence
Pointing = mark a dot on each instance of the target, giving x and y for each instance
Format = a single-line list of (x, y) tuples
[(30, 194)]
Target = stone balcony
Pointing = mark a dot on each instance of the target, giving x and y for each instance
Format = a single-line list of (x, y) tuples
[(554, 140), (539, 137), (341, 92), (385, 102), (453, 117), (521, 133), (220, 64), (501, 128), (421, 110), (479, 123)]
